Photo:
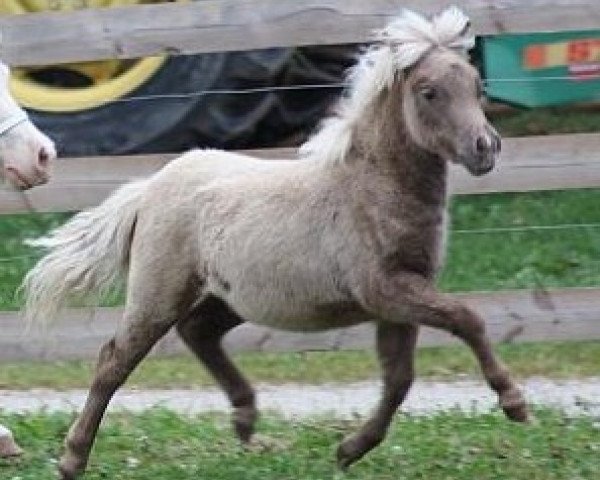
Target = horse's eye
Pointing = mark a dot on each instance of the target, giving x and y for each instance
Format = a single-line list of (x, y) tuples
[(429, 93)]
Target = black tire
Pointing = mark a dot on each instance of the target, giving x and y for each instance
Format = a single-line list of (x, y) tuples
[(223, 120)]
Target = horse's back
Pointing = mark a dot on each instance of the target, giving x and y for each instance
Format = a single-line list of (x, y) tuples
[(204, 166)]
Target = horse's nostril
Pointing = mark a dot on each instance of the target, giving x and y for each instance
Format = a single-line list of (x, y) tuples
[(481, 144), (43, 158)]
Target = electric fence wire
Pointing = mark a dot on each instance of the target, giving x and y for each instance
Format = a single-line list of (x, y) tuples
[(473, 231), (316, 86)]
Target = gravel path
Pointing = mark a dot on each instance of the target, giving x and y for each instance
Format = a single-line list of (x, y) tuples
[(574, 396)]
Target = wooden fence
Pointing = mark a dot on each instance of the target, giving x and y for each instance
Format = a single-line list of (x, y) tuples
[(518, 316), (527, 164), (225, 25), (533, 163)]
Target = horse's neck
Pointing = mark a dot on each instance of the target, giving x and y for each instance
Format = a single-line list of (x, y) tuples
[(400, 202)]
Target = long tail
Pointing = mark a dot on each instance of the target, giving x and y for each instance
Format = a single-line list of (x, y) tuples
[(86, 255)]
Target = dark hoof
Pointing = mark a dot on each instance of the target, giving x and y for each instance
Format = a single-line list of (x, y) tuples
[(64, 475), (353, 449), (514, 406), (345, 458), (244, 420), (243, 431), (69, 467), (518, 413)]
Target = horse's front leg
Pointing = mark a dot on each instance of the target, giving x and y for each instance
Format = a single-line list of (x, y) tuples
[(410, 296), (395, 349)]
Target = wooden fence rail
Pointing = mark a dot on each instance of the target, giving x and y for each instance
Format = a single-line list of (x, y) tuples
[(511, 316), (528, 163), (225, 25)]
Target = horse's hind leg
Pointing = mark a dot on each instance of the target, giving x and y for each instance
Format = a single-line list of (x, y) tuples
[(202, 331), (152, 309), (118, 357), (395, 349)]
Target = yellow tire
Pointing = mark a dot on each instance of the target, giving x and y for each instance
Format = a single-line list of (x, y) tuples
[(79, 86), (86, 107)]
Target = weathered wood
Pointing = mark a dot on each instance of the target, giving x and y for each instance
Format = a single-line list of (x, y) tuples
[(225, 25), (511, 316), (551, 162), (528, 163)]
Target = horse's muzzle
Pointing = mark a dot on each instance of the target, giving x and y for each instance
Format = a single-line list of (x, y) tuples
[(481, 168)]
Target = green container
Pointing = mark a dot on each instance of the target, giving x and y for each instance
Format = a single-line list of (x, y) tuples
[(542, 69)]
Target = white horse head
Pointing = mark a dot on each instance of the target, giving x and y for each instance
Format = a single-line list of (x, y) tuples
[(26, 154)]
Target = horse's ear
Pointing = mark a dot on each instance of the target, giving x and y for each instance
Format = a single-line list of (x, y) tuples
[(452, 27), (466, 29), (402, 75)]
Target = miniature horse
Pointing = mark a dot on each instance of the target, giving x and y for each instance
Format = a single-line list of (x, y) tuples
[(352, 232)]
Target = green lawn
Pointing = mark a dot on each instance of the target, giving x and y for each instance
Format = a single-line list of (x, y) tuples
[(507, 260), (160, 445), (16, 258), (475, 261), (556, 360), (547, 121)]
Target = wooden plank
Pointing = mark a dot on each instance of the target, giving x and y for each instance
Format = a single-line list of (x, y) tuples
[(511, 316), (81, 183), (551, 162), (527, 164), (226, 25)]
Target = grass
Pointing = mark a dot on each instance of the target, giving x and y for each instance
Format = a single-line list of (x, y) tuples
[(476, 261), (15, 257), (512, 260), (547, 121), (161, 445), (557, 360)]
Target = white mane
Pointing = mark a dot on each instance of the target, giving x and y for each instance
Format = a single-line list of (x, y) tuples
[(402, 43)]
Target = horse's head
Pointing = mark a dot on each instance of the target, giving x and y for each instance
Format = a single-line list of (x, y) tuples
[(441, 91), (443, 111), (419, 68), (26, 154)]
